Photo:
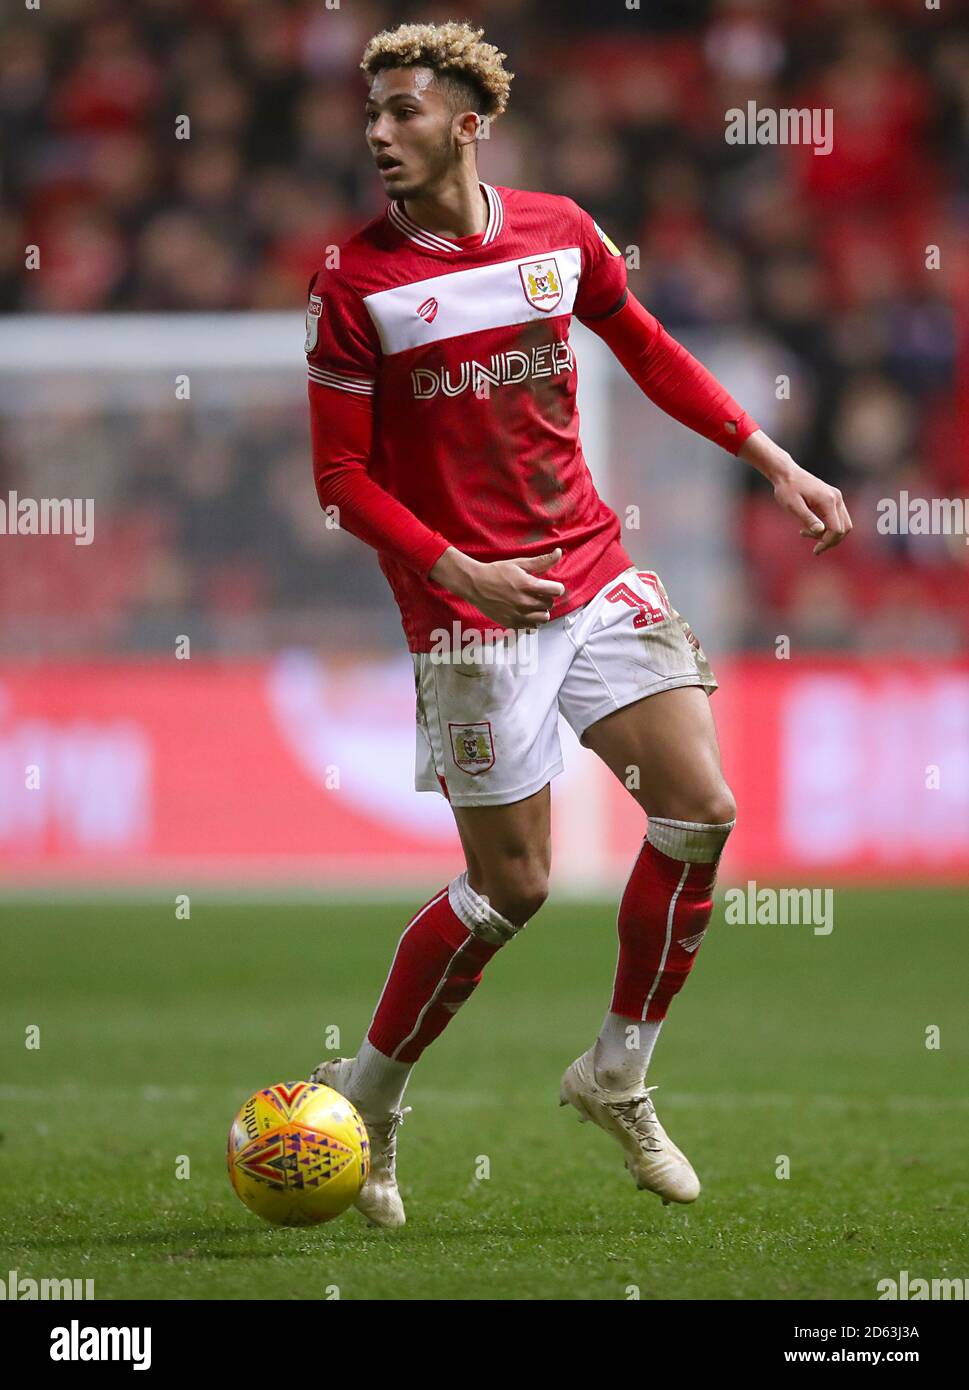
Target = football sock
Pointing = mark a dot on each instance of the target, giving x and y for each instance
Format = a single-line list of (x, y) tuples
[(623, 1049), (437, 965), (377, 1083), (663, 915)]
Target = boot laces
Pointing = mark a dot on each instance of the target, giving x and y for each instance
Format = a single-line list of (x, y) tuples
[(638, 1117), (383, 1137)]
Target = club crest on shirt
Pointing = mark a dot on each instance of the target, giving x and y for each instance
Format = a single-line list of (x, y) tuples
[(542, 283), (314, 312), (472, 746)]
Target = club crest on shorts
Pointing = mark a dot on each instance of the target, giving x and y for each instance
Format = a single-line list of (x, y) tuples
[(314, 312), (542, 283), (472, 746)]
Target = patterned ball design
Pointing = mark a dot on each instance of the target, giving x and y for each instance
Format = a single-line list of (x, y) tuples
[(298, 1153)]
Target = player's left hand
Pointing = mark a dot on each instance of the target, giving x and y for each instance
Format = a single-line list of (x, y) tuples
[(819, 507)]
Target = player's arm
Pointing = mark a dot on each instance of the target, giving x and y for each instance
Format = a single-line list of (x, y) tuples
[(681, 386), (341, 429), (819, 507)]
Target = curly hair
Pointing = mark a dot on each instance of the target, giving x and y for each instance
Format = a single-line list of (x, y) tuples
[(452, 50)]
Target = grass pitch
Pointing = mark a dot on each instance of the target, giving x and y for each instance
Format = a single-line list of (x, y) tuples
[(153, 1031)]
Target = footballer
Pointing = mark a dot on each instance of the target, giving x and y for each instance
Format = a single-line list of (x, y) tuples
[(442, 388)]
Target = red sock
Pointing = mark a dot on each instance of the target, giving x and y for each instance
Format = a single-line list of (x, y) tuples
[(662, 918), (436, 968)]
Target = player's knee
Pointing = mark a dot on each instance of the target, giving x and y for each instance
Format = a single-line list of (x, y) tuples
[(721, 808), (521, 892), (713, 807)]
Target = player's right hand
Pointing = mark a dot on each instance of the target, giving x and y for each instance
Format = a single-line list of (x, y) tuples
[(508, 592)]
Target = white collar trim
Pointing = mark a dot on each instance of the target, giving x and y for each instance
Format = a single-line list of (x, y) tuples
[(416, 233)]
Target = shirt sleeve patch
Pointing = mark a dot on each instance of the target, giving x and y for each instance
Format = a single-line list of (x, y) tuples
[(609, 244), (314, 312)]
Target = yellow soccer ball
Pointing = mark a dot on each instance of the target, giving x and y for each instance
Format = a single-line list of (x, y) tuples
[(298, 1153)]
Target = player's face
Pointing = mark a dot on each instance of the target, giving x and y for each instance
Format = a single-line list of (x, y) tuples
[(410, 131)]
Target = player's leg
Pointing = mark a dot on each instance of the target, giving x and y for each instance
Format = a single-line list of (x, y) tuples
[(437, 965), (635, 695), (669, 740), (443, 952), (487, 738), (508, 850)]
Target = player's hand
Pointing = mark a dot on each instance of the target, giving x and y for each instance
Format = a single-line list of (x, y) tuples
[(819, 507), (509, 592)]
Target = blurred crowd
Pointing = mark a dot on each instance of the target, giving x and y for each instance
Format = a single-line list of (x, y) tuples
[(822, 257)]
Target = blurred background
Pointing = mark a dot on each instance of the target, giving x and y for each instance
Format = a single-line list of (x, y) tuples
[(151, 360)]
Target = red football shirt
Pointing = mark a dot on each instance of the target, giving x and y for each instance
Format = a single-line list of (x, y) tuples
[(462, 347)]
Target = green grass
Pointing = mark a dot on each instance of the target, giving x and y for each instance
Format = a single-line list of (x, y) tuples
[(153, 1031)]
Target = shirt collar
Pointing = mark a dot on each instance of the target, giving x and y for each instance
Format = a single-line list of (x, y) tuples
[(431, 241)]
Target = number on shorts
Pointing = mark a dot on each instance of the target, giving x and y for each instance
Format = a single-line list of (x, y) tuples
[(646, 614), (651, 579)]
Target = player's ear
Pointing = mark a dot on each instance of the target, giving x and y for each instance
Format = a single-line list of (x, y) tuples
[(467, 126)]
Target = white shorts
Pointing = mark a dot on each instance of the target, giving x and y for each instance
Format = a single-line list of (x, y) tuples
[(487, 713)]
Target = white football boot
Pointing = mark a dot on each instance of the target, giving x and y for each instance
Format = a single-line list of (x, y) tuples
[(379, 1199), (651, 1156)]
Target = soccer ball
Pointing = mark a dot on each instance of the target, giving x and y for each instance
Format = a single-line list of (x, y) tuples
[(298, 1153)]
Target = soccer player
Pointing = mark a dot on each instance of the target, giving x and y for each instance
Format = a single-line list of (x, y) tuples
[(444, 428)]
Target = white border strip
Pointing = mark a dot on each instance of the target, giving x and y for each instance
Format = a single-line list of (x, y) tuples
[(39, 344)]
